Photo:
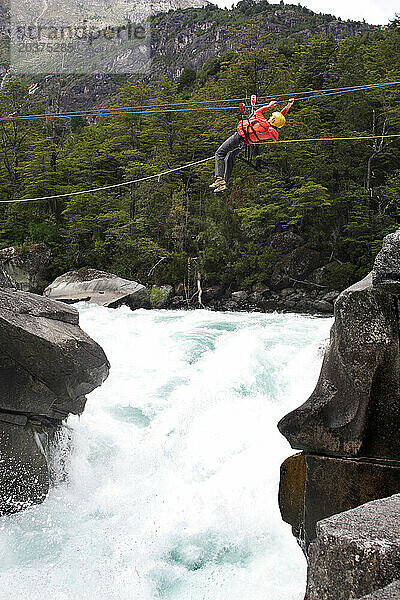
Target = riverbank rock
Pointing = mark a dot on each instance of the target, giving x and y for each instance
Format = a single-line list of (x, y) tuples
[(349, 429), (47, 366), (356, 552), (98, 287), (27, 268), (260, 298), (5, 281), (213, 293), (160, 296), (295, 267)]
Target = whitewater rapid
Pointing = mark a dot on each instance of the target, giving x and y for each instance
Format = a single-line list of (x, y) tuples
[(172, 482)]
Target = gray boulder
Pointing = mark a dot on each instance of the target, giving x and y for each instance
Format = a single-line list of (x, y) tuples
[(356, 552), (330, 296), (355, 409), (47, 363), (98, 287), (240, 296), (386, 272), (27, 269), (321, 306), (390, 592), (47, 366), (214, 292)]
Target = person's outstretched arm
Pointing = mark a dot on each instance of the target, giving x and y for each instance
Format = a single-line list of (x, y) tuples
[(261, 110), (288, 106)]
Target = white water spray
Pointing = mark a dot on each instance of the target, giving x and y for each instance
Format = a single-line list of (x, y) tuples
[(172, 487)]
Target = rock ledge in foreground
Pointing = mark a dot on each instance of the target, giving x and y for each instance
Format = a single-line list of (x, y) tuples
[(356, 552)]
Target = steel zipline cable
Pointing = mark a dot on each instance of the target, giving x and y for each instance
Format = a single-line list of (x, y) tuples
[(192, 164), (166, 108)]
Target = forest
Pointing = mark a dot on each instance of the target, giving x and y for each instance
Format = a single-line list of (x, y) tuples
[(340, 196)]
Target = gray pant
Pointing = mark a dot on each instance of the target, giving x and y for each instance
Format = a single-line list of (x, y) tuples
[(226, 155)]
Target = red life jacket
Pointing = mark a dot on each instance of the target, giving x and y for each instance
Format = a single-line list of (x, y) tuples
[(257, 128)]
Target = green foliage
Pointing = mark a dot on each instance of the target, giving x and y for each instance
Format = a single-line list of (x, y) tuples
[(339, 276), (343, 197)]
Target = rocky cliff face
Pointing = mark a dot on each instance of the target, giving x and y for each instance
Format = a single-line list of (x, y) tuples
[(47, 366), (190, 38), (188, 33), (349, 427)]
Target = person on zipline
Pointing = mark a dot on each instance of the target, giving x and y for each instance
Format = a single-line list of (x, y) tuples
[(254, 129)]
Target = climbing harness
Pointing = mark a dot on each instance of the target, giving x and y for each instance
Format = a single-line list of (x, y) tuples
[(250, 156)]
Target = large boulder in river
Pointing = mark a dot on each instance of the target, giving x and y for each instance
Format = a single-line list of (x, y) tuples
[(47, 363), (355, 407), (47, 366), (27, 268), (349, 428), (98, 287)]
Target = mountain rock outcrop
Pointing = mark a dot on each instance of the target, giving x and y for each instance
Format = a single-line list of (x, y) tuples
[(47, 366), (190, 38), (186, 35)]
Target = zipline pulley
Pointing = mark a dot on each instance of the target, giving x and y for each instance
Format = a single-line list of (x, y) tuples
[(253, 101)]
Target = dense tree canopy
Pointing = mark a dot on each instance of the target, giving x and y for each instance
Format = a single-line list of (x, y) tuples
[(341, 196)]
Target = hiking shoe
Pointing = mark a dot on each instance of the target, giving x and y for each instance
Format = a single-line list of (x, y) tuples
[(220, 188), (216, 183)]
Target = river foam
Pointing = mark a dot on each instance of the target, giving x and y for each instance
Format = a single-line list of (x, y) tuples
[(172, 484)]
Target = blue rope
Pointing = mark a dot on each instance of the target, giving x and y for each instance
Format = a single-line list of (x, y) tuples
[(145, 107), (117, 112)]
